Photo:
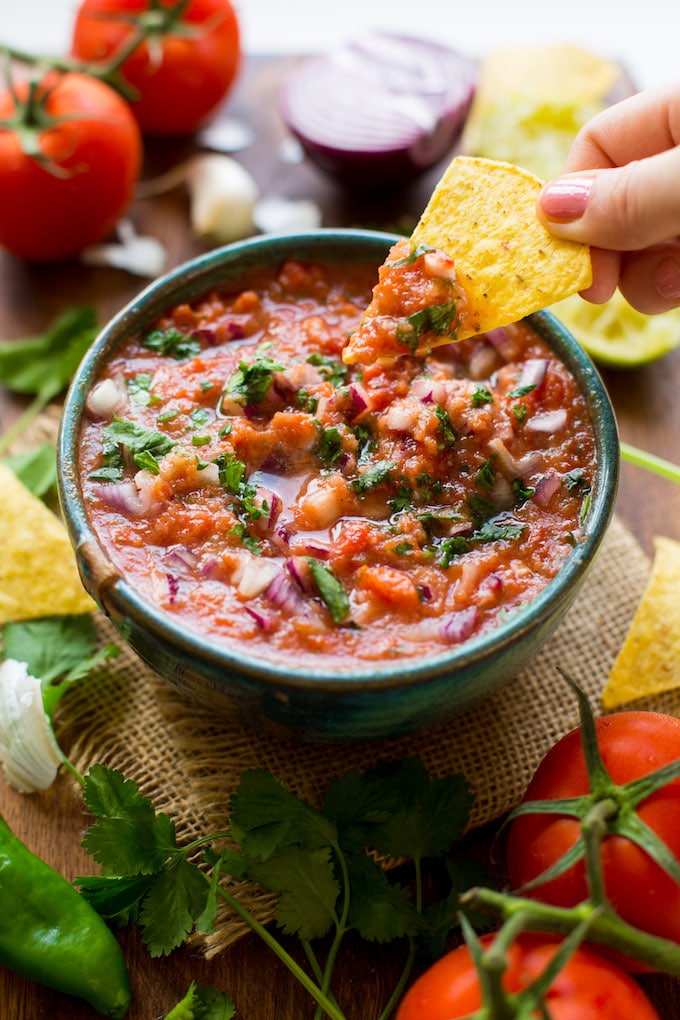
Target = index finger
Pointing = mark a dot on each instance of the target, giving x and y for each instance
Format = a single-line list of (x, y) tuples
[(643, 125)]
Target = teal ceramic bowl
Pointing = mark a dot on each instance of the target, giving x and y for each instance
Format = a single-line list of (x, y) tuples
[(373, 701)]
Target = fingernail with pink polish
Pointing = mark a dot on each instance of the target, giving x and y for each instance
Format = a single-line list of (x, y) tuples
[(668, 279), (565, 198)]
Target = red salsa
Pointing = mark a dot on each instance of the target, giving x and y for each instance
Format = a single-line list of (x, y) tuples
[(249, 482)]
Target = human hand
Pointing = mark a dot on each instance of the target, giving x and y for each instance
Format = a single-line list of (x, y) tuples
[(620, 193)]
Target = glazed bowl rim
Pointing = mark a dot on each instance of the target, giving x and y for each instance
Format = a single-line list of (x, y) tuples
[(196, 276)]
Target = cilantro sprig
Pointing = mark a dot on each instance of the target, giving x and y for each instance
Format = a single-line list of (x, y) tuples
[(329, 867)]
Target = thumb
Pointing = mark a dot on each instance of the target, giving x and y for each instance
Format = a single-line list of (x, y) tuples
[(624, 208)]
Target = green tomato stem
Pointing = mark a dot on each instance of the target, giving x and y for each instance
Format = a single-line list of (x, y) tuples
[(605, 927)]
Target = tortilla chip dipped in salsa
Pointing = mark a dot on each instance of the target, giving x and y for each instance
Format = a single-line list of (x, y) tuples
[(649, 661), (478, 259), (38, 573)]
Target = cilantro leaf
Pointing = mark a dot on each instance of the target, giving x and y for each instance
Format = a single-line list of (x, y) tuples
[(139, 442), (379, 910), (265, 816), (44, 365), (172, 342), (437, 319), (231, 472), (491, 532), (249, 384), (36, 468), (113, 897), (329, 447), (415, 253), (445, 428), (373, 476), (176, 897), (58, 650), (202, 1003), (330, 590), (308, 887), (128, 838), (335, 371)]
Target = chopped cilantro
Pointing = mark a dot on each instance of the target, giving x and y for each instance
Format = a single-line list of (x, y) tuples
[(232, 472), (445, 428), (246, 540), (200, 440), (415, 253), (492, 532), (520, 412), (521, 492), (306, 402), (481, 507), (172, 342), (329, 448), (169, 414), (585, 509), (576, 481), (402, 548), (365, 440), (139, 389), (377, 473), (452, 547), (330, 589), (482, 395), (437, 319), (486, 476), (249, 383), (199, 417), (143, 445), (402, 499), (335, 371), (225, 430), (521, 391)]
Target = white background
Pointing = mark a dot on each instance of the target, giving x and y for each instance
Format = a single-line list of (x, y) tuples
[(643, 34)]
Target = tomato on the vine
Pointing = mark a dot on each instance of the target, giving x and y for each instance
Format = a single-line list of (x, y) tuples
[(588, 987), (70, 155), (180, 72), (632, 745)]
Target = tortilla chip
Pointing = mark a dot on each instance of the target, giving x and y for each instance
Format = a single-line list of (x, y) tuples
[(38, 573), (649, 661), (545, 74), (483, 214)]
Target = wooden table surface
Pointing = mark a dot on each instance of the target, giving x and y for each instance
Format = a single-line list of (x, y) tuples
[(648, 408)]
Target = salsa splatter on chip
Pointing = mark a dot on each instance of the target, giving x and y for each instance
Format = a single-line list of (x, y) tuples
[(493, 263)]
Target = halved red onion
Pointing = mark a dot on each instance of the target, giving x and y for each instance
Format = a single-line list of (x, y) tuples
[(546, 487), (459, 625), (547, 421), (379, 110)]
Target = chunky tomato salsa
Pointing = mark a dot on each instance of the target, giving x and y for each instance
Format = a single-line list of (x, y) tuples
[(249, 482)]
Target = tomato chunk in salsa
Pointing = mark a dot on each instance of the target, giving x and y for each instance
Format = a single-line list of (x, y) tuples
[(245, 479)]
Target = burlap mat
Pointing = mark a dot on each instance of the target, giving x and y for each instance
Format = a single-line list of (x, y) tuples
[(188, 761)]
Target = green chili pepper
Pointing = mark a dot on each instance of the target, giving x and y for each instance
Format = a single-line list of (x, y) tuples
[(50, 934)]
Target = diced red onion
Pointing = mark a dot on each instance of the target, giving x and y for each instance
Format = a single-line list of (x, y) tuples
[(360, 402), (178, 557), (264, 620), (547, 421), (533, 372), (425, 592), (272, 501), (509, 464), (501, 494), (285, 595), (255, 576), (173, 587), (381, 109), (503, 342), (429, 390), (459, 625), (299, 570), (546, 487), (122, 496), (483, 361), (107, 399)]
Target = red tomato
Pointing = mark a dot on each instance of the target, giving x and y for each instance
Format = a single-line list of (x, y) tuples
[(587, 988), (632, 744), (182, 73), (91, 158)]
